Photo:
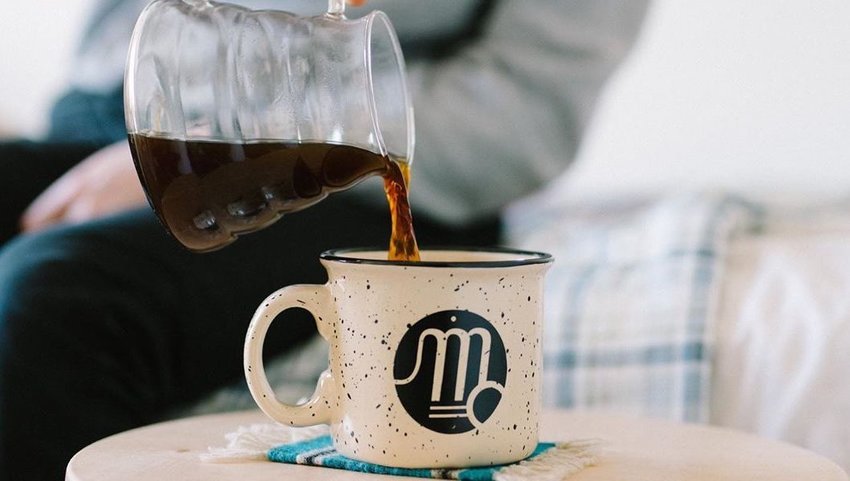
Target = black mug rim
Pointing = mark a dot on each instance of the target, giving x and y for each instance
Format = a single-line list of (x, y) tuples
[(344, 255)]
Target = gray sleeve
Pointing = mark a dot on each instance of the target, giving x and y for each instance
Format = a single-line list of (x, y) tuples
[(495, 121), (505, 115)]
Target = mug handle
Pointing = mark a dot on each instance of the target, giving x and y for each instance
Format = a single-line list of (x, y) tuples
[(318, 410)]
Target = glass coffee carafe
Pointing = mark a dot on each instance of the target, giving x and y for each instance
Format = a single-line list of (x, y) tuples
[(236, 116)]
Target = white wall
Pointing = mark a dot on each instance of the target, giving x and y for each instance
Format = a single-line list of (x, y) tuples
[(752, 96), (37, 38)]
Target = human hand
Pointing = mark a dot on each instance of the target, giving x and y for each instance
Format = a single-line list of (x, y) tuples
[(103, 183)]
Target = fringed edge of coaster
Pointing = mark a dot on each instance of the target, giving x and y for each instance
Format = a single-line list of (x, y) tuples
[(557, 463), (252, 443)]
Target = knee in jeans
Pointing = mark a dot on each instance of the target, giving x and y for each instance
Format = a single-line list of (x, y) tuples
[(44, 281), (51, 351)]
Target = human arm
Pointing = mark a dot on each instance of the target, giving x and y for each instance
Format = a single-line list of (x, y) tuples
[(104, 183), (503, 115), (496, 120)]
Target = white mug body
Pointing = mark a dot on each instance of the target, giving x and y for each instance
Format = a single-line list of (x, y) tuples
[(432, 364)]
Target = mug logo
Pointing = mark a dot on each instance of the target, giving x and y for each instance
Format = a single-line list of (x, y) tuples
[(450, 370)]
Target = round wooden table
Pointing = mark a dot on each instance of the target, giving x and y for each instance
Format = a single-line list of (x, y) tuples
[(636, 449)]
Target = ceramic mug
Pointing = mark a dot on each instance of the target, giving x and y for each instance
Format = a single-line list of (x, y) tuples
[(432, 364)]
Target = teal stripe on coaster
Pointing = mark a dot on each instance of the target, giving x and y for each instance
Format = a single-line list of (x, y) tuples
[(320, 452), (339, 461), (288, 453)]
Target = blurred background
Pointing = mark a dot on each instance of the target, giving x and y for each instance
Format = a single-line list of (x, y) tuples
[(37, 42), (749, 96)]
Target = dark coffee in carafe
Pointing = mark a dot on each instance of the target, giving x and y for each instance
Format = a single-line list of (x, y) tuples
[(206, 192)]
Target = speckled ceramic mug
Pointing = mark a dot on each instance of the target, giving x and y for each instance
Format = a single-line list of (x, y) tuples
[(432, 364)]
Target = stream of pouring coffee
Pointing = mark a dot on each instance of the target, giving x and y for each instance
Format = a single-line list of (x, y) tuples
[(403, 245)]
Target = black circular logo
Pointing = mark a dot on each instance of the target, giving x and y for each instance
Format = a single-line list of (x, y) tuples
[(450, 370)]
